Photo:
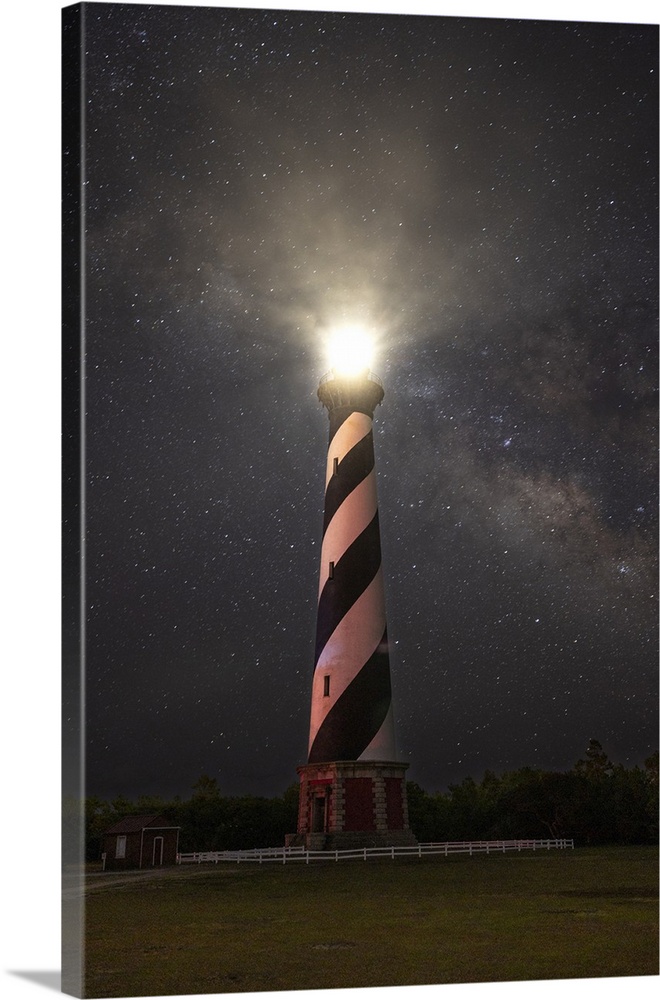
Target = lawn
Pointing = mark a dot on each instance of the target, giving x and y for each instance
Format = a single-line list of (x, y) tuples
[(240, 928)]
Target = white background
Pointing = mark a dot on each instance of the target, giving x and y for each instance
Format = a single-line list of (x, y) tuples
[(29, 396)]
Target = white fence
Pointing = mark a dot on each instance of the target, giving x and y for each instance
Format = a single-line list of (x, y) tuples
[(287, 854)]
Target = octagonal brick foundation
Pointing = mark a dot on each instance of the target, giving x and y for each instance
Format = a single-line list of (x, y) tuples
[(346, 804)]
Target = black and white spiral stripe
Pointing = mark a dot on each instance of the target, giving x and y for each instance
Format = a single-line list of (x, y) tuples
[(351, 695)]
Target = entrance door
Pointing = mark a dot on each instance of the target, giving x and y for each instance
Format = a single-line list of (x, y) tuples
[(158, 851), (319, 814)]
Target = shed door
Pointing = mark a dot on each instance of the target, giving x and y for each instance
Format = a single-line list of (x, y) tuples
[(158, 851)]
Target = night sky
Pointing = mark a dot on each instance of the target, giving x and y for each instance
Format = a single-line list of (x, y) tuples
[(482, 195)]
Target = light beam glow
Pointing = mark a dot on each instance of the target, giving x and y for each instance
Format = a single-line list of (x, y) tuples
[(350, 350)]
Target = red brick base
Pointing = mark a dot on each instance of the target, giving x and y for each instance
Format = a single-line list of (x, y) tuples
[(352, 804)]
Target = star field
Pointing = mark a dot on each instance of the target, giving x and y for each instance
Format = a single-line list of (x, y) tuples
[(483, 195)]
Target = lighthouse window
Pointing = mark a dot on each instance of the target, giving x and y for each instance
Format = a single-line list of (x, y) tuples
[(326, 686), (331, 571), (335, 466)]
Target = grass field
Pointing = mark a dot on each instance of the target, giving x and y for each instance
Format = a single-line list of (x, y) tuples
[(236, 928)]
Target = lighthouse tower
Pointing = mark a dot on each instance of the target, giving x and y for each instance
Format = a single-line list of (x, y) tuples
[(352, 789)]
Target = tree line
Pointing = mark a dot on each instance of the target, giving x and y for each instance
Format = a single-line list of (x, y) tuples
[(596, 802), (209, 821)]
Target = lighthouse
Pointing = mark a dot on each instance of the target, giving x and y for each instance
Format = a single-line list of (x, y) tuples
[(352, 788)]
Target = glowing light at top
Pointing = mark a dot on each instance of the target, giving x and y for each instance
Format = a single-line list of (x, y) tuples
[(350, 350)]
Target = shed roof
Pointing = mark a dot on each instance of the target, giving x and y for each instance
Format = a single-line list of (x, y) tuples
[(134, 824)]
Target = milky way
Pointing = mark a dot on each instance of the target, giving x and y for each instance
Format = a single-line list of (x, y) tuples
[(482, 195)]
